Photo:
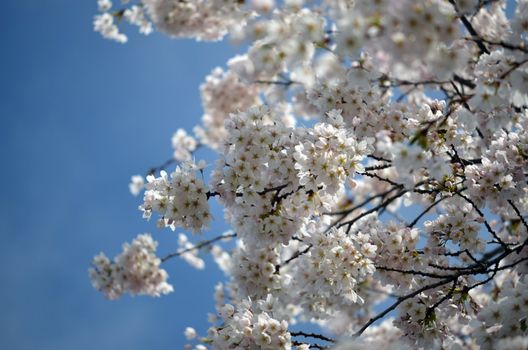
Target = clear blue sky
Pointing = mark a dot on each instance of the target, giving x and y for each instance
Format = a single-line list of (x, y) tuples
[(79, 116)]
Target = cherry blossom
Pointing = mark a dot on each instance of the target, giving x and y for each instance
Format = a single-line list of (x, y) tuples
[(371, 161), (180, 200), (136, 271)]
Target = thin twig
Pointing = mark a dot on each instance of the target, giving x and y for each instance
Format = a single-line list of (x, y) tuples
[(486, 223), (312, 335), (198, 246), (517, 211), (411, 225)]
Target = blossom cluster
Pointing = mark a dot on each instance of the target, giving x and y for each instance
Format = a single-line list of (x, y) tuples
[(501, 322), (222, 93), (254, 274), (105, 24), (184, 145), (328, 155), (201, 19), (500, 176), (245, 326), (274, 178), (459, 225), (180, 201), (372, 162), (330, 273), (189, 253), (136, 271)]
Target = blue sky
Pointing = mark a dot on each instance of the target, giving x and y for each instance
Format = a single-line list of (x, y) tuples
[(80, 115)]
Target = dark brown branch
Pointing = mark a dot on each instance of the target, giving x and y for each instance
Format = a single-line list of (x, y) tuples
[(471, 270), (411, 225), (486, 223), (312, 346), (399, 301), (513, 67), (161, 167), (525, 224), (362, 204), (373, 175), (312, 335), (378, 167), (411, 272), (476, 37), (210, 194), (464, 81), (505, 45), (513, 264), (423, 132), (198, 246), (375, 209), (168, 162), (276, 82), (379, 159), (463, 98), (444, 298), (293, 257)]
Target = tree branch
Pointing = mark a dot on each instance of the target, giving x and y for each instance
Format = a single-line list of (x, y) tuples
[(198, 246), (312, 335)]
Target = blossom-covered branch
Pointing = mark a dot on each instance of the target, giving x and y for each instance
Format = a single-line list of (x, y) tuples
[(372, 159)]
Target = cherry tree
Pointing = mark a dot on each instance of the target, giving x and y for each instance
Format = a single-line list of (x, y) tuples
[(340, 115)]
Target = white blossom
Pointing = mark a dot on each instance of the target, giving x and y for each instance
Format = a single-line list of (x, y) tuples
[(180, 200), (371, 163), (137, 183), (190, 333), (104, 24), (136, 271), (203, 20), (136, 16), (184, 145)]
